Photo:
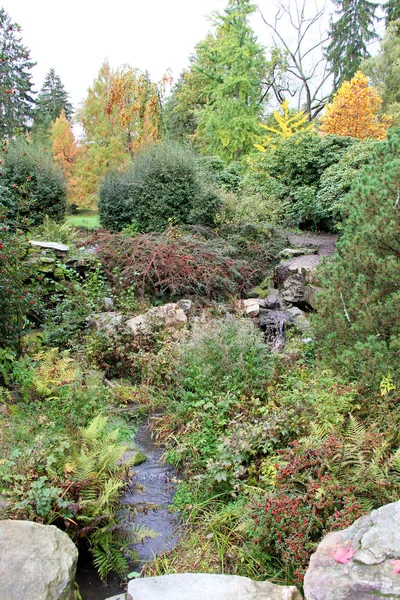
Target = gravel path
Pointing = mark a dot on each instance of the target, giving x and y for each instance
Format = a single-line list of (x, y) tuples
[(325, 242)]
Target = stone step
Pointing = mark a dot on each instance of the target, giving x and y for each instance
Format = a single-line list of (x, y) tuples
[(201, 586)]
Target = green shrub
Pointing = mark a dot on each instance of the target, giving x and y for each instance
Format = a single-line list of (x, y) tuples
[(32, 184), (165, 182), (290, 171), (336, 180), (357, 324)]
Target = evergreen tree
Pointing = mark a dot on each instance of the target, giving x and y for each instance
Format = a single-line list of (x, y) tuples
[(349, 36), (392, 10), (358, 322), (229, 124), (53, 98), (16, 101)]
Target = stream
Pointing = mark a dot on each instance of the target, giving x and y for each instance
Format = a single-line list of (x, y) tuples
[(151, 491)]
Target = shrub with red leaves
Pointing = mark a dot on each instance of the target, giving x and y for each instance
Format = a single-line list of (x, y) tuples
[(314, 493), (158, 265)]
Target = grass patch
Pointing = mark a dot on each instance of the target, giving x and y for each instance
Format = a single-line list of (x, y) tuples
[(88, 219)]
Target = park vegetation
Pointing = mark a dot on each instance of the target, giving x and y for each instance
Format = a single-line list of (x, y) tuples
[(195, 190)]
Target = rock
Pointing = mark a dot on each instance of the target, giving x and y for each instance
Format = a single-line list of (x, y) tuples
[(295, 278), (107, 322), (293, 252), (310, 293), (186, 305), (375, 541), (169, 316), (200, 586), (272, 300), (55, 246), (108, 303), (38, 562), (303, 265), (295, 312), (273, 323), (118, 597), (251, 307)]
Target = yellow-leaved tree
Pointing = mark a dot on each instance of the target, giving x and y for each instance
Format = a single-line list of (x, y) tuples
[(287, 124), (355, 111), (64, 148)]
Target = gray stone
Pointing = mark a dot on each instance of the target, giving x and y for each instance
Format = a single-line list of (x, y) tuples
[(293, 252), (55, 246), (107, 322), (295, 312), (169, 316), (272, 301), (375, 541), (108, 303), (186, 305), (118, 597), (200, 586), (295, 280), (251, 307), (38, 562)]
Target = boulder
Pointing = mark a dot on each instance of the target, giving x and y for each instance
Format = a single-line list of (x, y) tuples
[(251, 307), (200, 586), (56, 247), (293, 252), (38, 562), (186, 305), (370, 568), (169, 316), (272, 301), (106, 322), (294, 278)]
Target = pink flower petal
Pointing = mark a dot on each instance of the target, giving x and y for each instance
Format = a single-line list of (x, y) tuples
[(396, 566)]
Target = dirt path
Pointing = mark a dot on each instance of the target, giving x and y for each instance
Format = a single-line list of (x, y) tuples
[(325, 242)]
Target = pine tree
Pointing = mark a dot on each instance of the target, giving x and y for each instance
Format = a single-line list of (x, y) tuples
[(358, 322), (53, 98), (16, 101), (229, 124), (350, 35), (392, 10)]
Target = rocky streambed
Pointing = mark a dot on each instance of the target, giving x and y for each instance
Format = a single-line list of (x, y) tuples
[(150, 493)]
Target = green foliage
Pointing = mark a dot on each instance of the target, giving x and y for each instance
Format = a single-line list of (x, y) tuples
[(51, 101), (336, 180), (383, 70), (357, 324), (16, 101), (164, 183), (228, 124), (349, 37), (32, 185), (289, 172)]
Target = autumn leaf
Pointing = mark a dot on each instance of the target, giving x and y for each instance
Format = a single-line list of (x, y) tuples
[(343, 555), (396, 566)]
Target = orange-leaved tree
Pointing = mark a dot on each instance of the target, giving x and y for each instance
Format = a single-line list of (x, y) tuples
[(64, 148), (138, 101), (355, 111)]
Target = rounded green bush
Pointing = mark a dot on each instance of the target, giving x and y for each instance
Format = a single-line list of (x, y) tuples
[(165, 182)]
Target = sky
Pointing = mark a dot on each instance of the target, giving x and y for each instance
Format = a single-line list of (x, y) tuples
[(75, 37)]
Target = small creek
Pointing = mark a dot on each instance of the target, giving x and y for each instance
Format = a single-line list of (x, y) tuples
[(151, 491)]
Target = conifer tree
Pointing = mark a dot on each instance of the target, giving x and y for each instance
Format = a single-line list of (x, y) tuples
[(355, 111), (349, 37), (358, 322), (392, 10), (229, 122), (53, 98), (16, 101)]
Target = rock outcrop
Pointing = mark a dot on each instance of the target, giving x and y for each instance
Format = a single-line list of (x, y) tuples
[(200, 586), (168, 316), (38, 562), (370, 551)]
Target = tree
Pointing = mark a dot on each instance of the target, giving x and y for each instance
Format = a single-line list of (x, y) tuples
[(229, 121), (104, 142), (285, 125), (392, 10), (298, 35), (384, 71), (355, 110), (64, 148), (358, 307), (16, 101), (138, 103), (349, 37), (51, 101)]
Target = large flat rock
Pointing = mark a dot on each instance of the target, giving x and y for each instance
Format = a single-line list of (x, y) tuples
[(200, 586), (38, 562), (373, 545)]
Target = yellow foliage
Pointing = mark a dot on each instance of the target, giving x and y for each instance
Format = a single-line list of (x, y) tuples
[(286, 125), (354, 111), (64, 148)]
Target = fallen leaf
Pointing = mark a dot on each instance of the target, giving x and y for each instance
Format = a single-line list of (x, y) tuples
[(343, 555)]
